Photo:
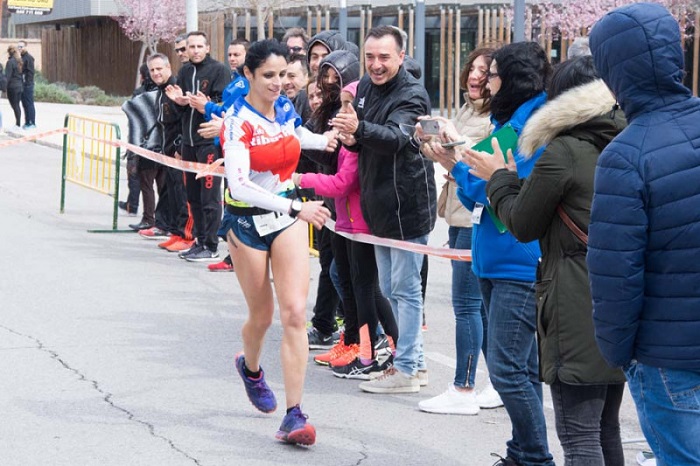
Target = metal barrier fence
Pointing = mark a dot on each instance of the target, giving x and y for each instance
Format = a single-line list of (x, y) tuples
[(90, 160), (312, 246)]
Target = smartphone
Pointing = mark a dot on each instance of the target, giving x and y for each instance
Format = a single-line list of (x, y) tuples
[(431, 127), (448, 145)]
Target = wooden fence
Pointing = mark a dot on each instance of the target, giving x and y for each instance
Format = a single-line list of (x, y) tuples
[(96, 53)]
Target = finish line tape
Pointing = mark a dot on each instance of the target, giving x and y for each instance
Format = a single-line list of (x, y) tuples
[(196, 167)]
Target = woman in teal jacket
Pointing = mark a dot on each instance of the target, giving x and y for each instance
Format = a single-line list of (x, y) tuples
[(505, 267)]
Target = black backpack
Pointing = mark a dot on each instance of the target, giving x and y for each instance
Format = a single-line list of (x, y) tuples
[(3, 80)]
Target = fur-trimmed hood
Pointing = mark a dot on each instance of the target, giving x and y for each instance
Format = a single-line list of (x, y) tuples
[(572, 108)]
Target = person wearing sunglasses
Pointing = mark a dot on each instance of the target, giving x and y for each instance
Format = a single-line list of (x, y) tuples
[(181, 48), (296, 41)]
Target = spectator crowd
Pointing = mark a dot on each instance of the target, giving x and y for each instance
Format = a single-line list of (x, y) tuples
[(572, 185)]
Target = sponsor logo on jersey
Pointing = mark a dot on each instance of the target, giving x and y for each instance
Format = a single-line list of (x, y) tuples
[(262, 137)]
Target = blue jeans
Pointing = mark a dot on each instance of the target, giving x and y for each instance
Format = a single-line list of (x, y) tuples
[(513, 366), (470, 315), (399, 280), (668, 406)]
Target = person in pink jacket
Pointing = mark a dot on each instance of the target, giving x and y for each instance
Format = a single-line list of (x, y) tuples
[(359, 262)]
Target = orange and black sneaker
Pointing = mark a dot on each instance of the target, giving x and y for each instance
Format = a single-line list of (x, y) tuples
[(347, 357), (170, 241), (324, 359), (180, 246)]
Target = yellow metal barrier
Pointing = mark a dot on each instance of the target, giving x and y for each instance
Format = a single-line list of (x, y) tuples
[(312, 250), (89, 160)]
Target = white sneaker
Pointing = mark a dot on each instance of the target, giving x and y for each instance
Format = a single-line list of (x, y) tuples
[(489, 398), (452, 401), (646, 458), (392, 381), (422, 375)]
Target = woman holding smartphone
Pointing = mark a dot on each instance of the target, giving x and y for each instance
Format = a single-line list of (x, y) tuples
[(473, 124), (505, 267)]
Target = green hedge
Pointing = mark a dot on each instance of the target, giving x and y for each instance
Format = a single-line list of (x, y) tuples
[(66, 93), (44, 92)]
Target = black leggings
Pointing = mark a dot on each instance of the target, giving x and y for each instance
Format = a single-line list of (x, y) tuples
[(339, 246), (15, 97), (367, 299)]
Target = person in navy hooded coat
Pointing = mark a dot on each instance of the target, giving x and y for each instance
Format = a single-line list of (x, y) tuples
[(644, 235)]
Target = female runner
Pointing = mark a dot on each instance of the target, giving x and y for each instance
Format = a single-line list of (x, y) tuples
[(261, 140)]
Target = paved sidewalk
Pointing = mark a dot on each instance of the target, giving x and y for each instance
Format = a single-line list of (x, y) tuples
[(51, 116)]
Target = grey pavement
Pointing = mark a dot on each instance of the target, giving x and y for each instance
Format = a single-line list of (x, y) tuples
[(51, 116), (113, 352)]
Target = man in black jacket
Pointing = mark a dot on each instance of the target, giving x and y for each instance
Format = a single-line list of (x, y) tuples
[(202, 75), (171, 211), (27, 86), (398, 194)]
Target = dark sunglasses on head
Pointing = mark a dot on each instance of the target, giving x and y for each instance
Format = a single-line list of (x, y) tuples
[(181, 49), (296, 49)]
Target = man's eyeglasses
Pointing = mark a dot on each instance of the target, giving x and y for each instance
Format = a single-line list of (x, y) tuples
[(490, 75), (181, 49), (296, 49), (20, 47)]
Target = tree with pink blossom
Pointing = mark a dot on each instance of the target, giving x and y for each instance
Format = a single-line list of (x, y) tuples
[(150, 22), (574, 18)]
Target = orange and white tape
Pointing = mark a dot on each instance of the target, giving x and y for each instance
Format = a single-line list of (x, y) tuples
[(32, 137), (446, 253), (195, 167)]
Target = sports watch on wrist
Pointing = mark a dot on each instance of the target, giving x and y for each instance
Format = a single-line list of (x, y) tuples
[(295, 208)]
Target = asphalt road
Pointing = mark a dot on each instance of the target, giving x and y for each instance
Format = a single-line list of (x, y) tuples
[(113, 352)]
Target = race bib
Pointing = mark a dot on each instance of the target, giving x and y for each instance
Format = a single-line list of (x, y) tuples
[(476, 213), (272, 222)]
